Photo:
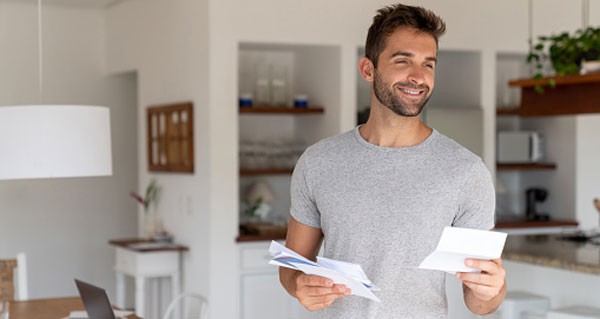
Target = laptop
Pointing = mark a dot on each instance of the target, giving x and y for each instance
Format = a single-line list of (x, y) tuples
[(95, 301)]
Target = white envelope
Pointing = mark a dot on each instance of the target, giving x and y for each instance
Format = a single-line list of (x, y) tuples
[(458, 244), (356, 287), (349, 274)]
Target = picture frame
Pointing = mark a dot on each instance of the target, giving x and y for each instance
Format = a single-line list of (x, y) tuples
[(170, 137)]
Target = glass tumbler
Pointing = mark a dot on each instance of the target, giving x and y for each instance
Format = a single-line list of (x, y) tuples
[(4, 309)]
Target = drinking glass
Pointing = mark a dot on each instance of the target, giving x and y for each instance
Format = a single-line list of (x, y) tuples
[(4, 309)]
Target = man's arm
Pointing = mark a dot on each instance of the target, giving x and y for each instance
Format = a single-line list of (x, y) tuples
[(313, 292), (485, 291)]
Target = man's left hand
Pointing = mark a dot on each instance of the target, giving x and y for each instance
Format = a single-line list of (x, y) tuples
[(489, 282)]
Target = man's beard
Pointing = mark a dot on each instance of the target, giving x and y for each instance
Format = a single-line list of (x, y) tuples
[(407, 107)]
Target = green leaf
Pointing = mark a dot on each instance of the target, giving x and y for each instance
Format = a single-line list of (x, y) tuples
[(538, 89)]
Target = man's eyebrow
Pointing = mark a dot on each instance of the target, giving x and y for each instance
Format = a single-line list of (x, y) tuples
[(410, 55), (402, 53)]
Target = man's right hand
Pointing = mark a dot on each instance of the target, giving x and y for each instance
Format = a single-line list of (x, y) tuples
[(316, 293)]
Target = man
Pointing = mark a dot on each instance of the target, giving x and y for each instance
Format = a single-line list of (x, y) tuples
[(381, 194)]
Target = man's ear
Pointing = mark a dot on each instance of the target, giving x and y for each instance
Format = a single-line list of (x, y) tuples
[(366, 68)]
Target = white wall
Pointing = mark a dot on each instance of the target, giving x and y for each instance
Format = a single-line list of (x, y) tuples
[(560, 135), (588, 169), (166, 43), (63, 225)]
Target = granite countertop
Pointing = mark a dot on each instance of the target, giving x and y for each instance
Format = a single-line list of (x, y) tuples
[(551, 251)]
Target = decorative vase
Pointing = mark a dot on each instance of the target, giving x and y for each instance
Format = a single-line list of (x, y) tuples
[(152, 224)]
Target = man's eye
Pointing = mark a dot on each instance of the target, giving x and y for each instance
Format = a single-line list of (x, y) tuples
[(431, 66), (401, 62)]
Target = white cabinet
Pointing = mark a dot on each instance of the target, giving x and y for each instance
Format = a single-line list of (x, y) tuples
[(261, 294)]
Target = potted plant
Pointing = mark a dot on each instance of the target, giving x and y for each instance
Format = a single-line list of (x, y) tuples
[(566, 53), (153, 223)]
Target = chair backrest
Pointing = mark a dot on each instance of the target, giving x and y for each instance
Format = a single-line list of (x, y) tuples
[(190, 306), (7, 284)]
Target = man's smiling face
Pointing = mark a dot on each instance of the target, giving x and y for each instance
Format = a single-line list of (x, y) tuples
[(404, 77)]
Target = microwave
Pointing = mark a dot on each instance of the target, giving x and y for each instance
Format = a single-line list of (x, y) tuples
[(520, 147)]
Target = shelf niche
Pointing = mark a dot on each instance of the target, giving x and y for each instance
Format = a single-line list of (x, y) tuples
[(575, 94), (310, 69)]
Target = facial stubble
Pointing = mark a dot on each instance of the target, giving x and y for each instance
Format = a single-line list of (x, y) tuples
[(386, 96)]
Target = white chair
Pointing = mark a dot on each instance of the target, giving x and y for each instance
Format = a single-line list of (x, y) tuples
[(7, 285), (523, 305), (194, 306), (574, 312)]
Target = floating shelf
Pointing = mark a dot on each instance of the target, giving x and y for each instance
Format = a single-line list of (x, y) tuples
[(269, 171), (574, 94), (259, 109), (508, 111), (524, 166), (532, 224)]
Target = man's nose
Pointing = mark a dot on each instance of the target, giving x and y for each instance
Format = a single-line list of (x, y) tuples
[(416, 75)]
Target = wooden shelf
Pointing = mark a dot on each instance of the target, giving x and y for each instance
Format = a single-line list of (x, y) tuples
[(251, 238), (574, 94), (533, 224), (266, 171), (260, 109), (524, 166), (508, 111), (559, 80)]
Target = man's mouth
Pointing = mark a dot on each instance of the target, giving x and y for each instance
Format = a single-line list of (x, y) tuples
[(411, 91)]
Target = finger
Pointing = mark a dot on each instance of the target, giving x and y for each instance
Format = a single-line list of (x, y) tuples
[(311, 280), (320, 302), (479, 279), (319, 291), (487, 266), (481, 291)]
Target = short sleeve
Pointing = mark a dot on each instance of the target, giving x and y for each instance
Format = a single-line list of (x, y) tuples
[(477, 200), (304, 208)]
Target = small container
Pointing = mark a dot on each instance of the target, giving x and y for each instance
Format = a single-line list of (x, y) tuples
[(246, 100), (301, 101)]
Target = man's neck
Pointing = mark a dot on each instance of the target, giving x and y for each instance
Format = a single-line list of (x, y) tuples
[(387, 129)]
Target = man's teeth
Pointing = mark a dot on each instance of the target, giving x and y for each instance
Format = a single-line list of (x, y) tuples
[(409, 91)]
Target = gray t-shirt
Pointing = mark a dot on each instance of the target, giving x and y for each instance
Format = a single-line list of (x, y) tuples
[(385, 209)]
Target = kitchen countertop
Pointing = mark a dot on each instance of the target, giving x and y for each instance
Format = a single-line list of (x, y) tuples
[(551, 251), (542, 250)]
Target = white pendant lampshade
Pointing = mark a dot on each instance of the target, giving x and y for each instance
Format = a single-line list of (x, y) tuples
[(49, 141)]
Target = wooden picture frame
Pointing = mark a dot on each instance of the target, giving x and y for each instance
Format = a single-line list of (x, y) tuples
[(170, 135)]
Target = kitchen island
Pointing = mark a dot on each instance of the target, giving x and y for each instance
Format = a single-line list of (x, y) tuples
[(553, 251), (567, 272)]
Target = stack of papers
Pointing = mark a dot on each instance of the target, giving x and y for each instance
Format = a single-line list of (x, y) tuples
[(458, 244), (348, 274)]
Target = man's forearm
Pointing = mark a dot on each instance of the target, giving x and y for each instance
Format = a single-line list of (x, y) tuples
[(483, 307)]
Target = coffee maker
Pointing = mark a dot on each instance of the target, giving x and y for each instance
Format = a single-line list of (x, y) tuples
[(532, 196)]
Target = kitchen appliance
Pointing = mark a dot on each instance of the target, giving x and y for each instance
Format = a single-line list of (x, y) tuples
[(520, 147), (532, 196)]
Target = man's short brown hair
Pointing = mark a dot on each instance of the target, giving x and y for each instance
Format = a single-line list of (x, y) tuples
[(390, 18)]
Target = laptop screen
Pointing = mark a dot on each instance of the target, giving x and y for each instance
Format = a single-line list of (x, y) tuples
[(95, 301)]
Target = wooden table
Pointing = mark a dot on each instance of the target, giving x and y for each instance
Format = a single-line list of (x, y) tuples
[(55, 308)]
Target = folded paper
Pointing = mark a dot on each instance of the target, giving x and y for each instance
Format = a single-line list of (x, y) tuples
[(457, 244), (348, 274)]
